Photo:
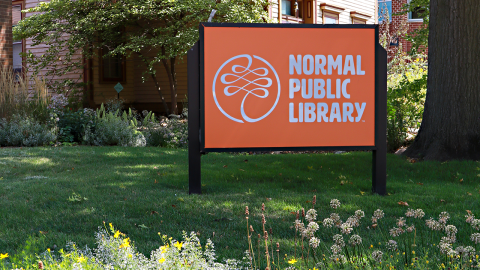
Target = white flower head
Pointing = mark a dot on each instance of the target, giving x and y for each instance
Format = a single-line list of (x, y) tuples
[(314, 242), (346, 228), (475, 237), (378, 214), (334, 203), (391, 245), (355, 240), (311, 215), (419, 213), (328, 223), (377, 256)]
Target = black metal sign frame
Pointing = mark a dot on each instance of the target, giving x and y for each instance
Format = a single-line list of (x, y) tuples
[(196, 116)]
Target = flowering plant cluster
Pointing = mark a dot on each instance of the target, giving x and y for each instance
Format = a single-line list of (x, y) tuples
[(336, 243), (117, 251)]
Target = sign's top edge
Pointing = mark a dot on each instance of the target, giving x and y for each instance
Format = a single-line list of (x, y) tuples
[(287, 25)]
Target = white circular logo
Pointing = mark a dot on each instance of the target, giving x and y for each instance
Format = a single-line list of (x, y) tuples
[(250, 77)]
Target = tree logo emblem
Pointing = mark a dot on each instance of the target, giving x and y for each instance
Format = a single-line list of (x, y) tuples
[(248, 86)]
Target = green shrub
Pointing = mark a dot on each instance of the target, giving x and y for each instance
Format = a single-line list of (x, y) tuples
[(25, 131), (72, 125), (166, 133), (407, 83), (111, 129)]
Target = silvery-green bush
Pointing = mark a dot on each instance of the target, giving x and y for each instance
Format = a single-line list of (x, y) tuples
[(111, 129), (25, 131)]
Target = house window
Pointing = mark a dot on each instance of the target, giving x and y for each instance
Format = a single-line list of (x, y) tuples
[(292, 8), (331, 13), (330, 18), (17, 44), (112, 67), (287, 8), (384, 10), (416, 14), (356, 21), (359, 18)]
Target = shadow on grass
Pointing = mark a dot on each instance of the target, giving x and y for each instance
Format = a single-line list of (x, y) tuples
[(143, 191)]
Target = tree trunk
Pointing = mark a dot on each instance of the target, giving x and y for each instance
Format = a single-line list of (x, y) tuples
[(157, 85), (173, 83), (174, 88), (451, 121)]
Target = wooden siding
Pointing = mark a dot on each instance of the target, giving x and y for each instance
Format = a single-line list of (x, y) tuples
[(103, 91), (146, 92), (75, 75), (361, 6)]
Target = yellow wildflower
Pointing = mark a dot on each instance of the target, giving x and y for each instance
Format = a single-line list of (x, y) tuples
[(126, 243), (3, 256), (48, 249), (130, 256), (81, 259), (413, 251), (161, 260), (117, 234), (178, 245), (292, 261), (164, 248)]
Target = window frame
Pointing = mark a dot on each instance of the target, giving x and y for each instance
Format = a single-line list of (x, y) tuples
[(331, 15), (102, 79), (331, 11), (20, 3), (297, 17), (359, 18)]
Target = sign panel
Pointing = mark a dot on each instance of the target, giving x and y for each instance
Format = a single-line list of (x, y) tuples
[(288, 87)]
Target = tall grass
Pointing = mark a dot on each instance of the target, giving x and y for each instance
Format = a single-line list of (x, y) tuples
[(20, 94)]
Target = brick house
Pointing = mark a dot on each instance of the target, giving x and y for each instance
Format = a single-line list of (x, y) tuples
[(104, 73), (412, 19)]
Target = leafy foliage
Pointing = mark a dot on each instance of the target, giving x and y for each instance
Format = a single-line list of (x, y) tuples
[(25, 131), (418, 37), (111, 129), (407, 85), (158, 32)]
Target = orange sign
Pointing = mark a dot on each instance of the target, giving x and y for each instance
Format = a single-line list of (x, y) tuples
[(288, 87)]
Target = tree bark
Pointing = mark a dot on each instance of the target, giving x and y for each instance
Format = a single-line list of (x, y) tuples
[(159, 90), (451, 120), (170, 70)]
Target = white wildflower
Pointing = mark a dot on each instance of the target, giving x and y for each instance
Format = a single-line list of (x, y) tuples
[(334, 203), (355, 240), (328, 222), (311, 215), (377, 256)]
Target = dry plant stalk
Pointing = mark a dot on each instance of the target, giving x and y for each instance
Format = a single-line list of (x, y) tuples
[(17, 92)]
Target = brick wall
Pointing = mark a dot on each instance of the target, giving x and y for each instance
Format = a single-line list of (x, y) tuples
[(397, 21), (6, 50)]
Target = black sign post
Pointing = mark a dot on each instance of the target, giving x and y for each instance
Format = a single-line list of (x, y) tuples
[(196, 90)]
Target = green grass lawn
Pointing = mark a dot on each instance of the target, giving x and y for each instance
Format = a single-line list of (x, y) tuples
[(143, 191)]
